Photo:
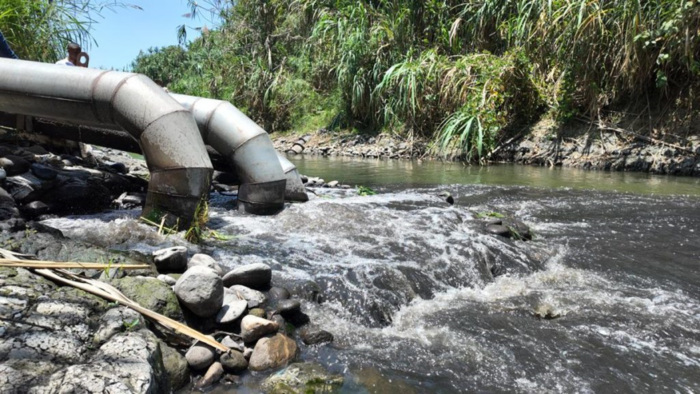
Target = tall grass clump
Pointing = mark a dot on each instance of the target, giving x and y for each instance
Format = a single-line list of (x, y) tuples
[(40, 29)]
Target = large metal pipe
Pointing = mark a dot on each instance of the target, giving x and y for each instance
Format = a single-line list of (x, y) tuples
[(246, 147), (168, 135), (295, 190)]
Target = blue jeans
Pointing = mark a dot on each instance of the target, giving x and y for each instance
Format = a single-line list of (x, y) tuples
[(5, 50)]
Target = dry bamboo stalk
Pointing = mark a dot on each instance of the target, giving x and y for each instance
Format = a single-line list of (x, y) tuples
[(106, 291), (66, 264)]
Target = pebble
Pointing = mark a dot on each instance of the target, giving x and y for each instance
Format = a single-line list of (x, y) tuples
[(253, 297), (234, 361), (253, 327), (313, 336), (200, 356), (259, 312), (231, 311), (213, 375), (279, 293), (288, 308), (232, 344)]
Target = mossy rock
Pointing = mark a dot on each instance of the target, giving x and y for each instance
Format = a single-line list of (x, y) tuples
[(302, 378), (97, 305), (152, 294)]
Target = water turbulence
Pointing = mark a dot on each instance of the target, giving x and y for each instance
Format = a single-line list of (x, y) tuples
[(421, 298)]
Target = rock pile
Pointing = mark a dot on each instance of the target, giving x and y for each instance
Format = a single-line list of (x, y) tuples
[(35, 182), (255, 320)]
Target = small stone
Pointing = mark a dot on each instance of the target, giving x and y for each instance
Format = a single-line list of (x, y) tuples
[(255, 275), (498, 229), (168, 280), (120, 168), (231, 311), (253, 297), (234, 361), (213, 375), (201, 291), (258, 312), (232, 344), (43, 172), (288, 308), (35, 209), (314, 336), (253, 327), (280, 321), (247, 352), (171, 259), (279, 293), (207, 261), (332, 184), (200, 356), (272, 352)]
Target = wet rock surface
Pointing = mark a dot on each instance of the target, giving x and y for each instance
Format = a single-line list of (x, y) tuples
[(272, 352)]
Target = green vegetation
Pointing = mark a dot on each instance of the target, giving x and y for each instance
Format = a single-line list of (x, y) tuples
[(460, 73), (40, 29), (365, 191)]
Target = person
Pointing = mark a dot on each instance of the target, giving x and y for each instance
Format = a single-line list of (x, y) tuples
[(74, 55), (5, 50)]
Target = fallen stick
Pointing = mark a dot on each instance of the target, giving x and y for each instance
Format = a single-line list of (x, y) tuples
[(106, 291), (61, 264)]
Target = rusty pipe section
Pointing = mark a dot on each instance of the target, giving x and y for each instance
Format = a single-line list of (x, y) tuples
[(246, 147), (168, 135)]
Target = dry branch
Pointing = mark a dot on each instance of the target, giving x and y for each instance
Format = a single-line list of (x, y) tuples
[(61, 264)]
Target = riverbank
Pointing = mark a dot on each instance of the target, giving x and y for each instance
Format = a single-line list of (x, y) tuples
[(543, 144)]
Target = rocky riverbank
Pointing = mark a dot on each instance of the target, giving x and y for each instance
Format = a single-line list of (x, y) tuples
[(544, 145)]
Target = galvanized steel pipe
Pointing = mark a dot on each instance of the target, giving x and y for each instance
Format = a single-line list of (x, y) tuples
[(246, 147), (169, 138)]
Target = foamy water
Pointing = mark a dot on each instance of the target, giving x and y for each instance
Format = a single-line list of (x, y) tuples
[(409, 292)]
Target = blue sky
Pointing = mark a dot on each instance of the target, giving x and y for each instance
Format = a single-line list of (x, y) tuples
[(122, 34)]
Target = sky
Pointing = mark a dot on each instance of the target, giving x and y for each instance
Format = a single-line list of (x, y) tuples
[(122, 34)]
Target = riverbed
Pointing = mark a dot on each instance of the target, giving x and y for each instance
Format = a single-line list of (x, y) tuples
[(420, 298)]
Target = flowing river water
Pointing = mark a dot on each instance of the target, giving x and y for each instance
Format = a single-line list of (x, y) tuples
[(408, 289)]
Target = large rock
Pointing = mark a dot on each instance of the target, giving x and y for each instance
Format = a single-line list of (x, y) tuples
[(315, 336), (272, 352), (14, 165), (207, 261), (175, 366), (128, 363), (253, 327), (8, 208), (152, 294), (117, 320), (257, 275), (303, 378), (201, 290), (76, 195), (171, 259), (231, 311), (200, 356)]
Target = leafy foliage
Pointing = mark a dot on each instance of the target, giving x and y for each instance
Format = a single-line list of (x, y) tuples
[(460, 73)]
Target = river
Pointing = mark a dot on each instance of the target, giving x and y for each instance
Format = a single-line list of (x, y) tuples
[(407, 282)]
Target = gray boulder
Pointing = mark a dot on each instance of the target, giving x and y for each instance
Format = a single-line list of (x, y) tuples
[(117, 320), (171, 259), (255, 275), (201, 290), (253, 297)]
